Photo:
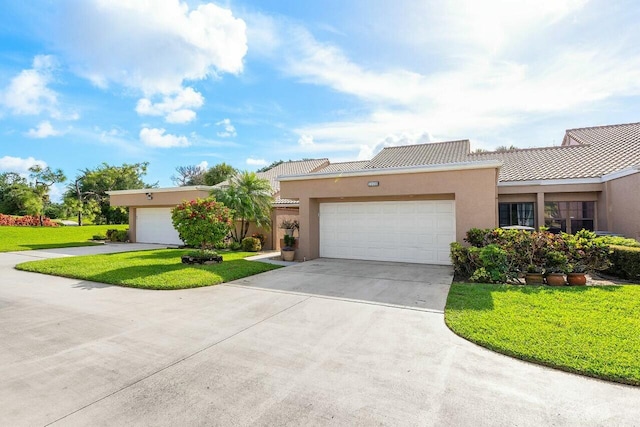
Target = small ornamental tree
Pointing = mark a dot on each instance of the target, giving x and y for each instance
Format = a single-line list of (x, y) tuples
[(202, 222)]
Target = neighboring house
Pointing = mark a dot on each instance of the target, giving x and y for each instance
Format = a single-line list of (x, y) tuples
[(409, 203), (150, 209)]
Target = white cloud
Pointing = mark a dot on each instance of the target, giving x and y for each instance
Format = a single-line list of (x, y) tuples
[(148, 45), (305, 140), (159, 138), (204, 165), (43, 130), (28, 92), (228, 129), (485, 82), (256, 162), (178, 108), (19, 165)]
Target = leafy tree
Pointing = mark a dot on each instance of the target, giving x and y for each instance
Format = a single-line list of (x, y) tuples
[(202, 222), (189, 175), (43, 178), (272, 165), (12, 186), (251, 199), (219, 173), (88, 193)]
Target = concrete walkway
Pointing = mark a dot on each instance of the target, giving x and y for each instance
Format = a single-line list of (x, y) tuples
[(303, 345)]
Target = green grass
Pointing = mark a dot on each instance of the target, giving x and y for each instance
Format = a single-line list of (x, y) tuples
[(593, 331), (29, 238), (154, 269)]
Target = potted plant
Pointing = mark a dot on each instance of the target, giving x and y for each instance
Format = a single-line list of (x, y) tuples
[(577, 274), (556, 266), (289, 225), (288, 252), (534, 275)]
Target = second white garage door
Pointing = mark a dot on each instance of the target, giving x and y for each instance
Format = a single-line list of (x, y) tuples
[(153, 225), (414, 231)]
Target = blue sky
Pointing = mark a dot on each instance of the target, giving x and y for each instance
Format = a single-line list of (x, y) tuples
[(177, 83)]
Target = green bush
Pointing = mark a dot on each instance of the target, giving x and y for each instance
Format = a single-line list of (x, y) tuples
[(478, 236), (251, 244), (289, 242), (235, 246), (114, 235), (202, 222), (625, 262), (494, 263), (618, 241), (202, 254), (99, 237)]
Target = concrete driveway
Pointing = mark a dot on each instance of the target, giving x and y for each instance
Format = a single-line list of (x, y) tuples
[(325, 342)]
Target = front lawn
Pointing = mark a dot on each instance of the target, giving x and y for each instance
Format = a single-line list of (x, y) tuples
[(154, 269), (593, 331), (29, 238)]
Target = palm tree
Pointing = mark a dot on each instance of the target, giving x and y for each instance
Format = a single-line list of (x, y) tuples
[(251, 199)]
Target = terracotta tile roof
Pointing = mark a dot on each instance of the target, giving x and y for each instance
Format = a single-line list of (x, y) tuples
[(292, 168), (344, 166), (584, 153), (433, 153)]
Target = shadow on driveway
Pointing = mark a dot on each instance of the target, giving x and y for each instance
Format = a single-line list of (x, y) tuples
[(418, 286)]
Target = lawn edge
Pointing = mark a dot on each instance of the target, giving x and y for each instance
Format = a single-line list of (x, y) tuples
[(534, 360)]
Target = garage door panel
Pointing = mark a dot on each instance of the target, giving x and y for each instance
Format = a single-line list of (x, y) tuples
[(411, 231), (153, 225)]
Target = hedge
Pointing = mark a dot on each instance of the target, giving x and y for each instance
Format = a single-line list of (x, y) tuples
[(625, 262)]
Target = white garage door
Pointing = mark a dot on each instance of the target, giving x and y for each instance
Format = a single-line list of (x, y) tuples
[(416, 231), (153, 225)]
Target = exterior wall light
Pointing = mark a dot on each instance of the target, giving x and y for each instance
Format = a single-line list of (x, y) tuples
[(373, 183), (149, 196)]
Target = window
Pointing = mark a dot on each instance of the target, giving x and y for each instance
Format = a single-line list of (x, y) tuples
[(516, 214), (569, 217)]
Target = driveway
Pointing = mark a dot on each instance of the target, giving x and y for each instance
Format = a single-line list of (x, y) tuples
[(325, 342)]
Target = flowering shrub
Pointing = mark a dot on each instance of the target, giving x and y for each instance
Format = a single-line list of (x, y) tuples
[(260, 237), (25, 221), (202, 222), (251, 244)]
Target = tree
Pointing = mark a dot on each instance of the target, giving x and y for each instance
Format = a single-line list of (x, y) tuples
[(12, 186), (43, 178), (189, 175), (202, 222), (250, 198), (271, 166), (219, 173), (88, 193)]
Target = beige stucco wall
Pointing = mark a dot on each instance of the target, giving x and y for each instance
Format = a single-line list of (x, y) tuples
[(623, 205), (159, 199), (474, 191)]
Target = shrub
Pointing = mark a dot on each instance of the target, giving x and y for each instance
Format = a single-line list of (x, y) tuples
[(202, 254), (494, 263), (251, 244), (477, 236), (114, 235), (260, 237), (235, 246), (289, 242), (25, 221), (625, 262), (618, 241), (202, 222), (99, 237)]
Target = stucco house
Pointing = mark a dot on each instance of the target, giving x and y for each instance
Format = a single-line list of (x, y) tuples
[(150, 209), (409, 203)]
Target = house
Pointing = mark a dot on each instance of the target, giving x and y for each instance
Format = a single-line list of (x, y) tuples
[(409, 203), (150, 209)]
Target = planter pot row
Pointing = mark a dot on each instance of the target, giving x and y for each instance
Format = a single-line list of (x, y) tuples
[(556, 279)]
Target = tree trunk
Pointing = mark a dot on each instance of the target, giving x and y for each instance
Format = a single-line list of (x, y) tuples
[(79, 218)]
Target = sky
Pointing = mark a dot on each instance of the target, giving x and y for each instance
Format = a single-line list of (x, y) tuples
[(177, 83)]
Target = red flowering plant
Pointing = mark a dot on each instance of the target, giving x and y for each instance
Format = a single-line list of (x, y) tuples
[(25, 221), (202, 222)]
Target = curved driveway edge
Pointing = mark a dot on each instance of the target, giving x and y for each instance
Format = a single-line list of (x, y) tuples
[(247, 353)]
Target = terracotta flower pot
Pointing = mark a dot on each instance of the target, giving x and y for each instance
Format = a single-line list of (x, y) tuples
[(577, 279), (534, 279), (288, 255), (555, 279)]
